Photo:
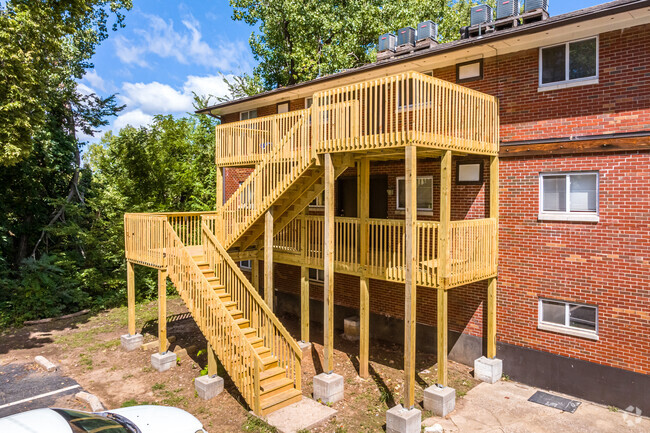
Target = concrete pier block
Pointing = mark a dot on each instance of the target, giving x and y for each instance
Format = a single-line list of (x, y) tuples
[(304, 345), (328, 388), (488, 370), (208, 387), (91, 400), (45, 363), (402, 420), (440, 401), (131, 342), (163, 361), (351, 328)]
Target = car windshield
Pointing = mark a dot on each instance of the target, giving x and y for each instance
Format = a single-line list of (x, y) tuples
[(83, 422)]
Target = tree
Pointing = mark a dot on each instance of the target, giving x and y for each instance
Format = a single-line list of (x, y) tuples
[(301, 40)]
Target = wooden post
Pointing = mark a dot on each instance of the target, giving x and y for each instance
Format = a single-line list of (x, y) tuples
[(268, 258), (304, 303), (212, 362), (130, 295), (443, 263), (162, 310), (363, 194), (410, 294), (255, 273), (220, 189), (492, 282), (328, 264)]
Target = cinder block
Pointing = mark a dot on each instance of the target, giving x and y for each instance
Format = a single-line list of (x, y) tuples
[(351, 328), (304, 345), (208, 387), (45, 363), (488, 370), (401, 420), (440, 401), (328, 388), (91, 399), (163, 361), (131, 342)]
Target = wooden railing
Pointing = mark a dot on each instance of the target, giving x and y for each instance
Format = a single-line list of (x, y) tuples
[(246, 142), (234, 350), (405, 108), (286, 162), (472, 250), (144, 239), (253, 307)]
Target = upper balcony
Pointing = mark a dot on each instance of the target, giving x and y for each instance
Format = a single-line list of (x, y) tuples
[(371, 116)]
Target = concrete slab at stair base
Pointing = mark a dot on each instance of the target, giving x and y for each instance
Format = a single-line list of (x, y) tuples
[(304, 415), (488, 370), (208, 387), (131, 342), (441, 401), (328, 388), (402, 420), (163, 361)]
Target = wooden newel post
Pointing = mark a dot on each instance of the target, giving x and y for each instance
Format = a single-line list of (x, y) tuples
[(443, 263), (328, 265), (130, 295)]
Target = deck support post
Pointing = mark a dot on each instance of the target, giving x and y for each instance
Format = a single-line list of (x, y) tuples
[(219, 203), (255, 273), (304, 304), (492, 282), (213, 365), (410, 187), (328, 266), (268, 258), (443, 263), (130, 290), (162, 310), (363, 187)]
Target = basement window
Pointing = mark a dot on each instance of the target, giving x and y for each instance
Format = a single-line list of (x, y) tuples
[(568, 196), (569, 64), (580, 320), (316, 275), (424, 193), (246, 265)]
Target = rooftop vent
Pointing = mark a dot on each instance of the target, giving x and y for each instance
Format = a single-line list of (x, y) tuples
[(406, 36), (480, 14), (531, 5), (427, 29), (507, 8), (386, 42)]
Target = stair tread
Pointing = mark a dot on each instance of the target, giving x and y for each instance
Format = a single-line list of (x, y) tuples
[(271, 372), (271, 386), (268, 402)]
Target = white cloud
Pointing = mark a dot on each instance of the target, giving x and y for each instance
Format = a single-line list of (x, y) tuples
[(186, 46), (134, 118), (84, 90), (95, 80)]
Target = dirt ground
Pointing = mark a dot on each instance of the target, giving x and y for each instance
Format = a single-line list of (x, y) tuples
[(87, 349)]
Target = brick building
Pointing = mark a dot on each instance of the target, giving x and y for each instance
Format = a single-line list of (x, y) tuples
[(573, 309)]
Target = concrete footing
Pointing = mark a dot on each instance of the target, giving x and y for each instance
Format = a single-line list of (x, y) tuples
[(402, 420), (45, 363), (131, 342), (351, 328), (328, 388), (304, 345), (163, 361), (488, 370), (91, 400), (208, 387), (440, 401)]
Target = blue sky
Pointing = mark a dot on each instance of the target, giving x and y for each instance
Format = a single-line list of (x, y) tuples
[(169, 49)]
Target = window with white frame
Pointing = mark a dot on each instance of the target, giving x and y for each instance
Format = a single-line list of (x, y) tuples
[(424, 193), (568, 63), (317, 275), (283, 107), (569, 196), (568, 317), (245, 115), (308, 102), (246, 265), (319, 201)]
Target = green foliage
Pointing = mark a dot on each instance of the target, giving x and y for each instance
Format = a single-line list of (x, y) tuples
[(256, 425), (301, 40)]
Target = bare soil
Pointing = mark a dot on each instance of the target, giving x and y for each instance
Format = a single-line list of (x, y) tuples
[(87, 349)]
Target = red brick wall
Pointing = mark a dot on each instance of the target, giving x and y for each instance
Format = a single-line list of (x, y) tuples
[(232, 177), (605, 264), (620, 102)]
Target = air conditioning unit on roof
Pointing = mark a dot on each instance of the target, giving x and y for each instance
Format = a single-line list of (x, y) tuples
[(480, 14), (386, 42), (507, 8), (427, 29), (531, 5), (406, 36)]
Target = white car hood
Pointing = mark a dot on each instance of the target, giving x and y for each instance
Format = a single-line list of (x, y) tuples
[(159, 419), (35, 421)]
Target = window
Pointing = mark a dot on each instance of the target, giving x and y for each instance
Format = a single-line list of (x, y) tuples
[(246, 197), (317, 275), (469, 173), (567, 317), (469, 71), (245, 115), (424, 193), (319, 201), (283, 107), (569, 196), (308, 102), (246, 265), (568, 64)]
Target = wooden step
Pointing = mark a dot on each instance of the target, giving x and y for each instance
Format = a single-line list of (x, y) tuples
[(263, 351), (276, 387), (236, 314), (279, 401), (216, 285), (271, 375), (255, 341), (242, 323), (249, 331), (230, 305), (225, 297), (269, 362)]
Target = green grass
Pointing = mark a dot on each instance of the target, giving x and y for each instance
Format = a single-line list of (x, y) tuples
[(86, 361), (133, 402), (158, 386), (256, 425)]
